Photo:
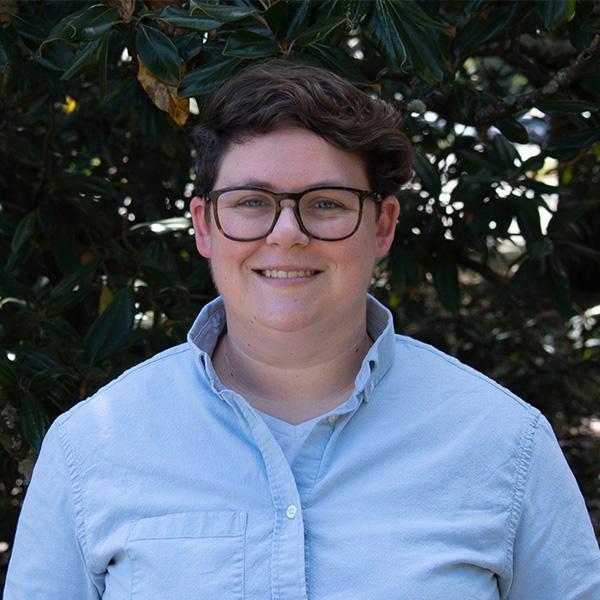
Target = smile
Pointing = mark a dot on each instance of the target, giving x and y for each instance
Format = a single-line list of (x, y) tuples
[(276, 274)]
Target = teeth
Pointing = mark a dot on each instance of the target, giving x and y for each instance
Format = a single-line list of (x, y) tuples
[(274, 274)]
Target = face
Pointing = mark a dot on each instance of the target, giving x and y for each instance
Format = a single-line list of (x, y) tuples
[(330, 279)]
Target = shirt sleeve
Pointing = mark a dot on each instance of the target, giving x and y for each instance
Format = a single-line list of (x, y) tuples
[(47, 560), (555, 554)]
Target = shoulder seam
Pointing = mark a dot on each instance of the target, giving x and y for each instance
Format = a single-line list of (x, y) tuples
[(518, 492), (179, 349), (77, 491), (466, 369)]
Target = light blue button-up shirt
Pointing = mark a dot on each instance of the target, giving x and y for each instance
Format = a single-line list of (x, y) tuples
[(438, 484)]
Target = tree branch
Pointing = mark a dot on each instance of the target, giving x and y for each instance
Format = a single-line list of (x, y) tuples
[(562, 79)]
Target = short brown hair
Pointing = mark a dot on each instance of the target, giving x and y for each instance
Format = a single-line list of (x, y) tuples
[(277, 93)]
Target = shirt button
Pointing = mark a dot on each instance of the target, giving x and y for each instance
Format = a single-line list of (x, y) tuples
[(332, 419), (291, 511)]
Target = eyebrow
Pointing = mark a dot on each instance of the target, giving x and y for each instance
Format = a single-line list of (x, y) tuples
[(268, 185)]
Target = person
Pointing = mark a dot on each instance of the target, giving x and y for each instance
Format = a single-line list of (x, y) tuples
[(296, 447)]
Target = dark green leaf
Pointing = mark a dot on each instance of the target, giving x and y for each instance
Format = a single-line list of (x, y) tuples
[(579, 33), (246, 44), (78, 183), (189, 45), (428, 174), (299, 20), (158, 53), (85, 25), (183, 20), (24, 231), (383, 28), (103, 66), (72, 282), (34, 421), (56, 56), (318, 31), (110, 329), (87, 55), (554, 11), (513, 130), (573, 142), (476, 6), (223, 14), (277, 18), (445, 280), (560, 288), (534, 163), (8, 377), (569, 213), (539, 249), (9, 286), (528, 218), (482, 27), (7, 48), (525, 276), (36, 360), (30, 27), (336, 60), (504, 151), (207, 78), (401, 36)]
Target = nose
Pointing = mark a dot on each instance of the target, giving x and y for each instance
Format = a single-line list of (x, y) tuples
[(287, 230)]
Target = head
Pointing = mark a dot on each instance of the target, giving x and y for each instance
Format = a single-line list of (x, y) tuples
[(277, 93), (289, 128)]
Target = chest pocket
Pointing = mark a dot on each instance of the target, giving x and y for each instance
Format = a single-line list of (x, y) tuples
[(188, 556)]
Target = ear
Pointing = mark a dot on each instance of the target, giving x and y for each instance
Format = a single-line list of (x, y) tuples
[(386, 224), (201, 221)]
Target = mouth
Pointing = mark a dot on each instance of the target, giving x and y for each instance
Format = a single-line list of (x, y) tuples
[(281, 274)]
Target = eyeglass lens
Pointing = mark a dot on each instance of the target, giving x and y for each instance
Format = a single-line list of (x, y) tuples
[(325, 213)]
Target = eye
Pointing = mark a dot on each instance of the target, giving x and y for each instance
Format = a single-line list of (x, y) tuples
[(252, 202), (326, 204)]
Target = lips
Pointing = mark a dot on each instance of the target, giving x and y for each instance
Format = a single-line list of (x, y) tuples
[(286, 274)]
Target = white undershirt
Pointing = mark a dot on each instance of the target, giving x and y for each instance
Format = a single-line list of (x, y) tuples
[(291, 437)]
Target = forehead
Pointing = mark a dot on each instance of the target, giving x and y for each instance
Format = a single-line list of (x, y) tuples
[(290, 159)]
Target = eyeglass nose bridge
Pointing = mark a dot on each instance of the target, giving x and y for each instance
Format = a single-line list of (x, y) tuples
[(279, 197)]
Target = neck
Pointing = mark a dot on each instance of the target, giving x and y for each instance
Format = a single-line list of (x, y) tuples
[(293, 375)]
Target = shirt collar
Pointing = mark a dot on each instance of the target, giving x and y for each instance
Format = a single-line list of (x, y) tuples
[(204, 334)]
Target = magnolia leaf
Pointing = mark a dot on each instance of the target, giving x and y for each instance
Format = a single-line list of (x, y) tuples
[(34, 421), (158, 54), (208, 77), (126, 8), (319, 31), (87, 55), (183, 20), (223, 14), (246, 44), (109, 330), (164, 96)]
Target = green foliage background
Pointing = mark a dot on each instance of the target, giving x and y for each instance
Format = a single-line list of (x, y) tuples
[(497, 252)]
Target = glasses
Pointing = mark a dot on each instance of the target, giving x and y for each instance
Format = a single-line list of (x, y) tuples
[(249, 213)]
